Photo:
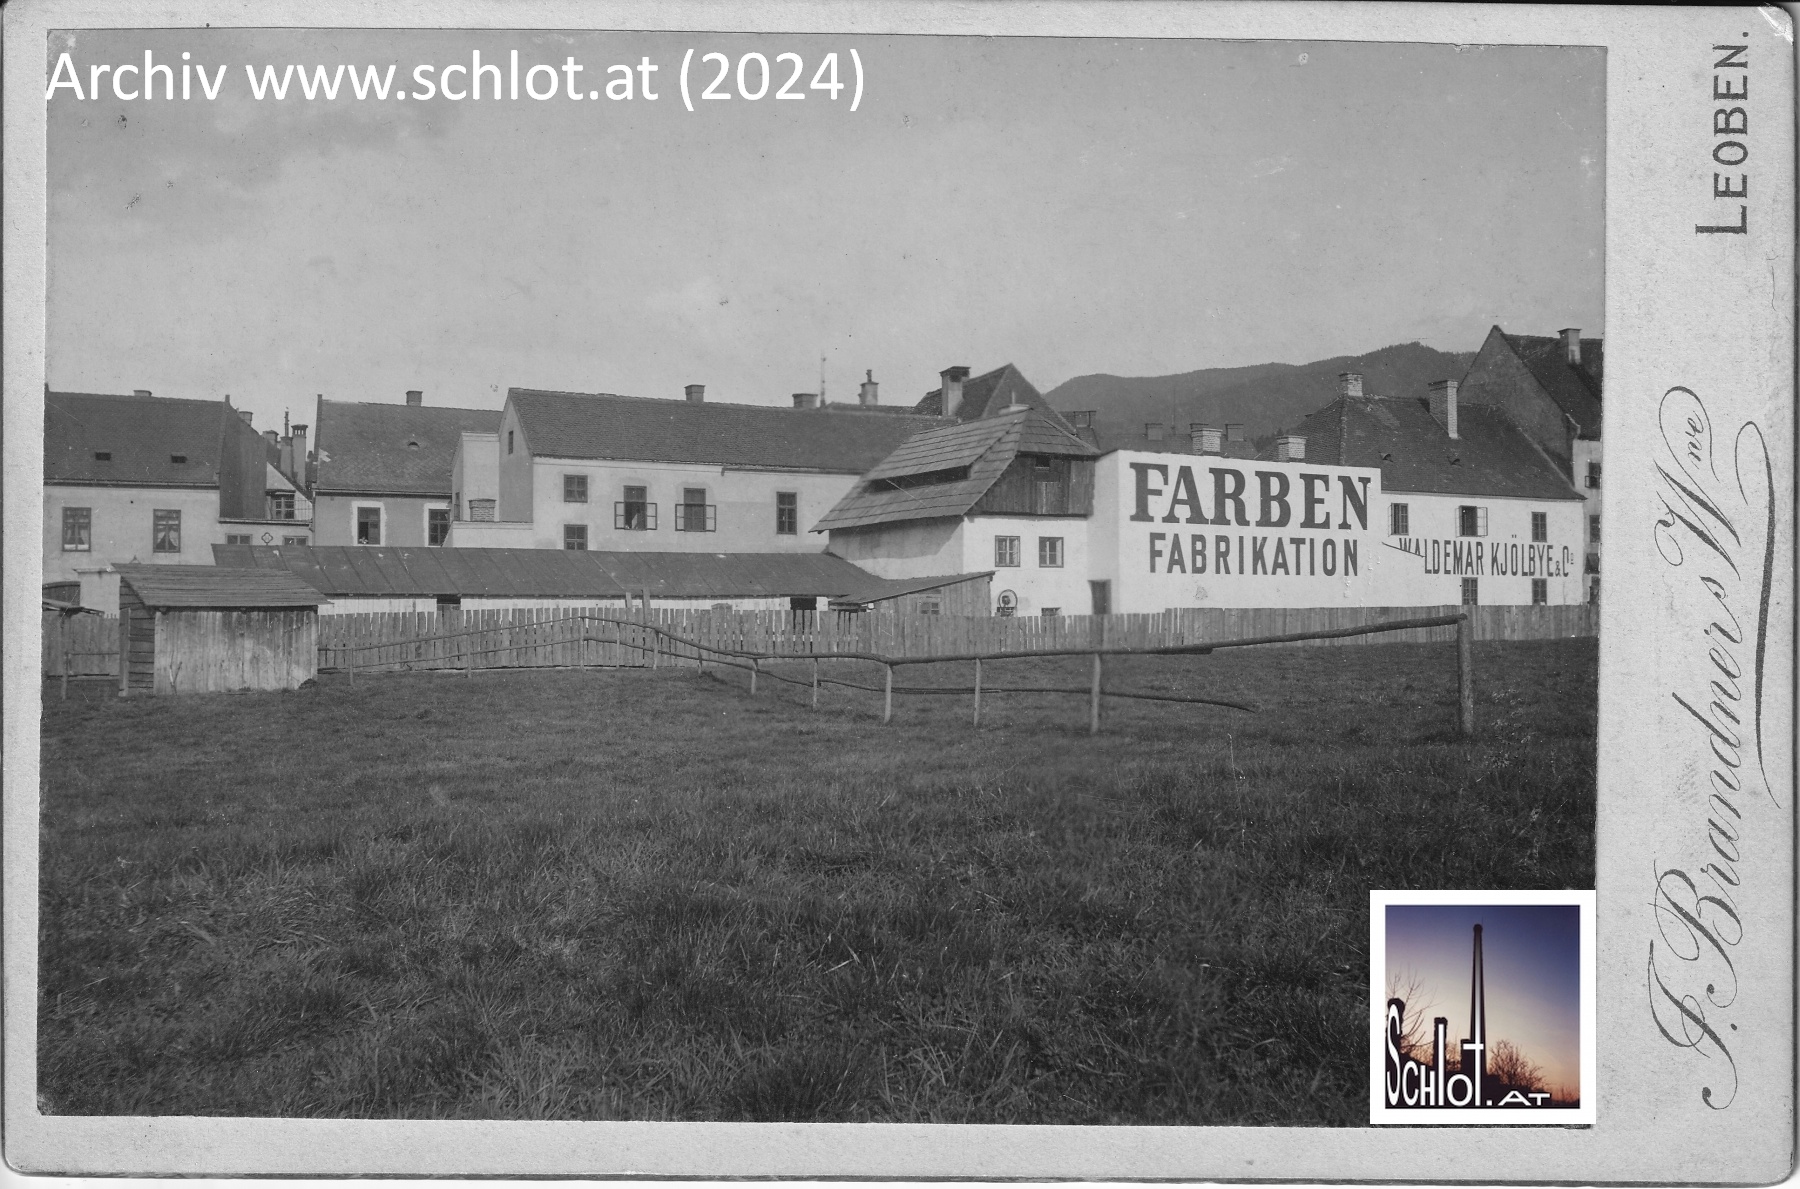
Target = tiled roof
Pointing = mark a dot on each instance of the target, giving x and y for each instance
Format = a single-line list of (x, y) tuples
[(839, 439), (220, 587), (424, 572), (985, 395), (387, 449), (986, 448), (1576, 388), (878, 590), (143, 435), (1399, 436)]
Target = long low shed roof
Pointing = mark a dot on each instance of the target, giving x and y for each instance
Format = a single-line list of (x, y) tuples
[(424, 572), (219, 587)]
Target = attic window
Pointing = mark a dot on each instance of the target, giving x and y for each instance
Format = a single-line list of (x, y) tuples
[(177, 458), (103, 456), (412, 444)]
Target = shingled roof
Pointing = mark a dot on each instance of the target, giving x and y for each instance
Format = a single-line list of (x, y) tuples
[(423, 572), (388, 449), (987, 394), (970, 457), (1575, 387), (1400, 437), (218, 587), (140, 435), (839, 439)]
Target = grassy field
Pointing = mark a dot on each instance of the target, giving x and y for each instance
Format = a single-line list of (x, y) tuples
[(636, 894)]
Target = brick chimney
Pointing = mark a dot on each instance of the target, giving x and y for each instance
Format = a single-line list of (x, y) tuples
[(1571, 337), (1350, 384), (1208, 439), (415, 397), (245, 414), (953, 378), (299, 471), (1155, 431), (806, 400), (140, 392), (1290, 447), (870, 391), (284, 461), (696, 393), (273, 438), (1443, 404)]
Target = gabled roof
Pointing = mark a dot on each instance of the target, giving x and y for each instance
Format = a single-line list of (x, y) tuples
[(142, 434), (218, 587), (1400, 437), (986, 395), (424, 572), (1576, 388), (985, 448), (388, 449), (841, 439)]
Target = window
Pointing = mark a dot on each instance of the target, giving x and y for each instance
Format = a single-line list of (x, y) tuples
[(78, 530), (177, 458), (103, 456), (797, 603), (693, 514), (1050, 552), (930, 607), (1471, 591), (437, 525), (482, 510), (1594, 529), (1540, 591), (635, 513), (368, 524), (574, 536), (1593, 475), (1051, 612), (574, 489), (1593, 563), (166, 530), (1399, 519), (449, 603), (1102, 592), (293, 540), (1471, 521), (237, 538), (1006, 551), (281, 505), (787, 513), (1540, 526), (509, 434), (1594, 591)]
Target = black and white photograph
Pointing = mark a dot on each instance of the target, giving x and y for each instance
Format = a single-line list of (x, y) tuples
[(684, 571)]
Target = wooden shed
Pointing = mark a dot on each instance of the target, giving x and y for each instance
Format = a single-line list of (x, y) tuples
[(193, 629)]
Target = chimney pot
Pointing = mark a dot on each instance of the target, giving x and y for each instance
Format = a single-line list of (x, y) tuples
[(1571, 337), (696, 393), (870, 389), (415, 396), (1443, 404), (1350, 384), (140, 392)]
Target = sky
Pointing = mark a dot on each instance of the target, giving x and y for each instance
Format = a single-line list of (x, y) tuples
[(1068, 205), (1531, 959)]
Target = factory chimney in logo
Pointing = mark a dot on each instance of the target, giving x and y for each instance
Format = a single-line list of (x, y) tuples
[(1430, 1085)]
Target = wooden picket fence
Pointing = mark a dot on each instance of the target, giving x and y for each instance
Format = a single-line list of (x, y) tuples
[(554, 637)]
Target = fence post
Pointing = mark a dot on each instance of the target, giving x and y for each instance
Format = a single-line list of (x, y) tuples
[(887, 702), (755, 668), (977, 691), (1465, 676), (1094, 710), (62, 642), (815, 696), (353, 668)]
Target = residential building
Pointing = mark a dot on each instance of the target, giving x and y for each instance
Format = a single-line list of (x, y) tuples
[(1550, 387), (138, 478), (598, 471), (1011, 491), (382, 471)]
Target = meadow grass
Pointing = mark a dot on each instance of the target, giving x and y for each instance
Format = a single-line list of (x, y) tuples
[(645, 894)]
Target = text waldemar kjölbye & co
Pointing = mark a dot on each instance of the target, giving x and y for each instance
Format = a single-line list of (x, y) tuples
[(1276, 499)]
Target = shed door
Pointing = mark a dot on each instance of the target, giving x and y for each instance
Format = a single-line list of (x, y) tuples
[(1102, 590)]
